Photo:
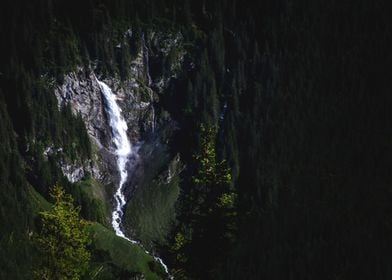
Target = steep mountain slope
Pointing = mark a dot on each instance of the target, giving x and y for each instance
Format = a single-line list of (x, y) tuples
[(56, 129), (262, 134)]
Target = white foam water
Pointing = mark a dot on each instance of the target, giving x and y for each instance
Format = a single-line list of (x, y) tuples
[(123, 152)]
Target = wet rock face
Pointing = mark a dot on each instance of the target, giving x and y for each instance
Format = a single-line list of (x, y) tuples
[(82, 92), (136, 96)]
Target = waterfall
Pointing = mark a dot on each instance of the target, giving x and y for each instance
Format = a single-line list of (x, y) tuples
[(123, 152)]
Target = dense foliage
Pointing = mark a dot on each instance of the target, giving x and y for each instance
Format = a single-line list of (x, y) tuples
[(298, 92), (206, 213), (62, 240)]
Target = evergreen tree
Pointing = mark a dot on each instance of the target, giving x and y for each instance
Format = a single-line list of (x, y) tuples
[(62, 240)]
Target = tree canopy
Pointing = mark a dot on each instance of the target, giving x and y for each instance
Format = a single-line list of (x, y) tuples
[(62, 240)]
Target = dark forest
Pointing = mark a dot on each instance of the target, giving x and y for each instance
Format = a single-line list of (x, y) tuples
[(276, 120)]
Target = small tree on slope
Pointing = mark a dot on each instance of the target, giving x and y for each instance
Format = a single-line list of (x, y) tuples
[(62, 240)]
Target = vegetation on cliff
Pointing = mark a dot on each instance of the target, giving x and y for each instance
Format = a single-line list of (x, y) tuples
[(294, 180)]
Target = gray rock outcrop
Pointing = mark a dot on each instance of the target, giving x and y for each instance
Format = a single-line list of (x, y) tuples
[(137, 96)]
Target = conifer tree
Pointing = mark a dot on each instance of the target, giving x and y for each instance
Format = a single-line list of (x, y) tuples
[(62, 240)]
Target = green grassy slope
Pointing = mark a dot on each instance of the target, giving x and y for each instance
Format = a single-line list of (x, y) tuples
[(116, 258)]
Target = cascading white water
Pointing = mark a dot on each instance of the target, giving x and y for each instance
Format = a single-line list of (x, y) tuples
[(123, 152)]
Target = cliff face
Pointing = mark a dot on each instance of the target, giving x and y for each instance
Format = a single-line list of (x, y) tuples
[(153, 171), (47, 140), (81, 90), (137, 96)]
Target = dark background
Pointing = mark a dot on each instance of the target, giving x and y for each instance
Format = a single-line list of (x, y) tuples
[(307, 130)]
